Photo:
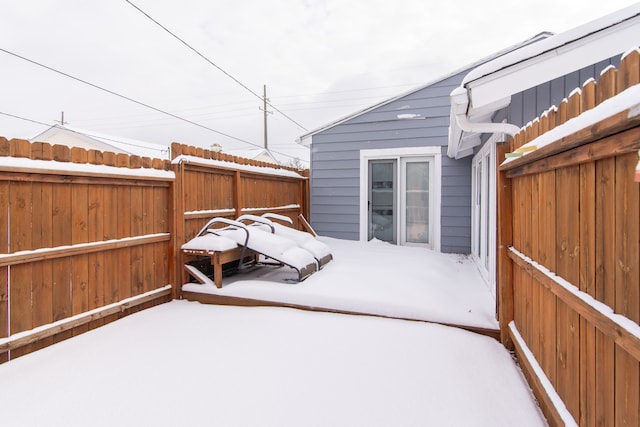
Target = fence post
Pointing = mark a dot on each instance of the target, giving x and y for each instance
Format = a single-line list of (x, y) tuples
[(177, 230), (504, 277)]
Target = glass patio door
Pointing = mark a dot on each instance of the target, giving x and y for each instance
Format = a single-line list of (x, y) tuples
[(415, 202), (382, 222), (400, 205)]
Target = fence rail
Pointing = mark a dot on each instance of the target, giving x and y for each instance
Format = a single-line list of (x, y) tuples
[(569, 255), (81, 230)]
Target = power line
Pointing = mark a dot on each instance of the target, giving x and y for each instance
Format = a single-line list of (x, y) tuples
[(212, 63), (25, 119), (162, 150), (133, 100)]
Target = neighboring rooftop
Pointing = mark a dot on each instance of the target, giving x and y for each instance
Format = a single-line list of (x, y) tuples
[(74, 137)]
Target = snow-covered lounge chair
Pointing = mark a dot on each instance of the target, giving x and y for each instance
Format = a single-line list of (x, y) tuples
[(242, 242), (304, 240)]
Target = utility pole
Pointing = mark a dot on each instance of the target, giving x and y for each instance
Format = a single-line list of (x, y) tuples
[(62, 122), (264, 109)]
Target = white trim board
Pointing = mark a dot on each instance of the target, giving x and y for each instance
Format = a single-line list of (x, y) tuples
[(397, 153)]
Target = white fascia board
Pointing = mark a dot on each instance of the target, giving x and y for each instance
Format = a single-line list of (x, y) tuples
[(305, 140), (554, 63)]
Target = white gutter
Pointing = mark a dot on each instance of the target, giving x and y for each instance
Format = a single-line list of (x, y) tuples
[(461, 147), (488, 88)]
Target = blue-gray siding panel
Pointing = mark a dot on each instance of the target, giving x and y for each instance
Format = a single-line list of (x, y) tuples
[(335, 157)]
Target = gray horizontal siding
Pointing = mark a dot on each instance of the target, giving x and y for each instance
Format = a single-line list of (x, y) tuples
[(335, 163), (335, 153)]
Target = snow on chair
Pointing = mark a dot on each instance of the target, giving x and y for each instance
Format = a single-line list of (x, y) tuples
[(304, 240), (241, 242)]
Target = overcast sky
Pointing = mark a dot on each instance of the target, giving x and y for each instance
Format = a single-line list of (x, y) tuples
[(321, 60)]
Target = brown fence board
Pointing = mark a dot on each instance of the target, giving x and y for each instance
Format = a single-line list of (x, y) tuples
[(61, 204), (148, 225), (118, 279), (42, 271), (20, 239), (79, 235), (568, 228), (4, 309), (4, 284), (567, 265), (116, 201), (137, 272), (587, 220), (605, 238), (605, 376), (567, 367), (547, 355), (96, 200), (547, 257), (587, 365), (627, 378)]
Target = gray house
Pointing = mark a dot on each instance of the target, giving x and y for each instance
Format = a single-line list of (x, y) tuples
[(383, 172), (419, 169)]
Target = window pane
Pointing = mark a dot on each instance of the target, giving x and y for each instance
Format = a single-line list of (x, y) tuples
[(417, 202), (382, 196)]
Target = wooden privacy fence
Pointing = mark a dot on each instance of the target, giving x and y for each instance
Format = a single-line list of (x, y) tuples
[(568, 255), (213, 184), (88, 236)]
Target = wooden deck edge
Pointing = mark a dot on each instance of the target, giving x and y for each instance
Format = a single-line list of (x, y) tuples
[(84, 323), (550, 403), (249, 302)]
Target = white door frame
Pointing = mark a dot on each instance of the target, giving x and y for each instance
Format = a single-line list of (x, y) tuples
[(434, 153), (483, 218)]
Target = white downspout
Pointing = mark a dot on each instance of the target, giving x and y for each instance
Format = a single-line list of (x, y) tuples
[(460, 106), (490, 127)]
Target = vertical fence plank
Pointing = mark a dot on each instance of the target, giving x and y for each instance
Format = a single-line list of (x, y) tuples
[(505, 239), (605, 286), (148, 226), (568, 329), (20, 239), (61, 204), (42, 271), (606, 87), (604, 377), (536, 305), (587, 284), (547, 257), (629, 70), (121, 287), (4, 248), (161, 209), (96, 234), (112, 264), (605, 231), (80, 263), (137, 268)]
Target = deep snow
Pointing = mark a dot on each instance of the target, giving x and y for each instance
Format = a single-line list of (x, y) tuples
[(377, 278), (184, 363)]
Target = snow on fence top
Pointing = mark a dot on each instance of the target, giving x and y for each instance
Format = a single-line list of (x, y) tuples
[(21, 154), (216, 158), (592, 95)]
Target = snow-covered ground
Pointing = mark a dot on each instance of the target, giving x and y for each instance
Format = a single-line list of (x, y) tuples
[(377, 278), (185, 363)]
